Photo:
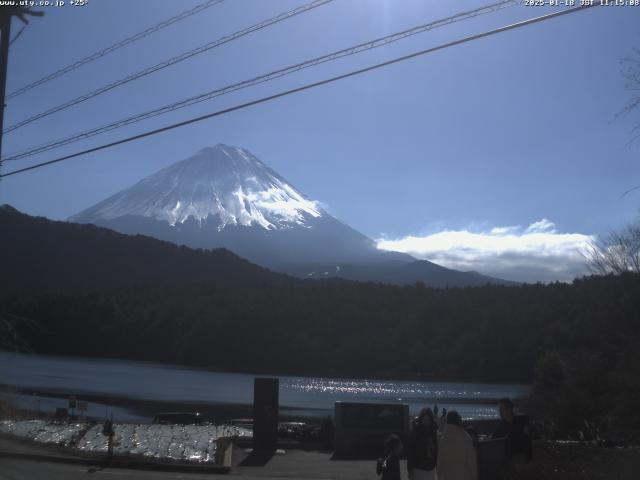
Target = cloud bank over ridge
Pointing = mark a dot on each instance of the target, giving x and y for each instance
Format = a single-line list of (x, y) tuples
[(534, 253)]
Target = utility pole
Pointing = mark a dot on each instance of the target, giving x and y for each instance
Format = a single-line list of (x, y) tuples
[(6, 14), (5, 25)]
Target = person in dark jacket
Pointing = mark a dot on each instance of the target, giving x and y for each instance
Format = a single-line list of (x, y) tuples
[(422, 455), (515, 428), (389, 466)]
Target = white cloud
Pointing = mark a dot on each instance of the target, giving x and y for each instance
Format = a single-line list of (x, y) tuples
[(504, 230), (535, 253), (541, 226)]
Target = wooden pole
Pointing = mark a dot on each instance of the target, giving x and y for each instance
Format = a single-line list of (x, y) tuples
[(5, 25)]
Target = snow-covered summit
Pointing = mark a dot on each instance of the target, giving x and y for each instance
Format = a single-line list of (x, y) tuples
[(224, 181), (224, 197)]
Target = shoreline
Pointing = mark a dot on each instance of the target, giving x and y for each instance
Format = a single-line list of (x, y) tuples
[(212, 409), (214, 412), (408, 377)]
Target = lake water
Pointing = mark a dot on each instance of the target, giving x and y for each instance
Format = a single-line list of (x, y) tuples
[(305, 396)]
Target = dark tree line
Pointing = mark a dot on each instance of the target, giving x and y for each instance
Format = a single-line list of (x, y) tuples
[(484, 333)]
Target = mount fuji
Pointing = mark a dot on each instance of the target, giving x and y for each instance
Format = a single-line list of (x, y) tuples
[(225, 197)]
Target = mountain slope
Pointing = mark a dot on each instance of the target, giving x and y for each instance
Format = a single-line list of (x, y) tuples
[(40, 254), (225, 197), (221, 181)]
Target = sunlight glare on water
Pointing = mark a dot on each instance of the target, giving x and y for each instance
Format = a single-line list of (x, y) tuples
[(303, 396)]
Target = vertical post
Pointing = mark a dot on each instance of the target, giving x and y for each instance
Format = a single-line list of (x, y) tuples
[(265, 414), (72, 405), (5, 25)]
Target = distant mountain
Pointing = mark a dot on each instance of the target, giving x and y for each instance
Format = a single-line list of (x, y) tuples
[(39, 254), (224, 196)]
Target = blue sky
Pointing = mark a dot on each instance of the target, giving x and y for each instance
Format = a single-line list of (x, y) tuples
[(493, 138)]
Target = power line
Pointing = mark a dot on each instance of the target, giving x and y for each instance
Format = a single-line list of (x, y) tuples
[(261, 79), (172, 61), (116, 46), (629, 191), (17, 35), (6, 15), (306, 87)]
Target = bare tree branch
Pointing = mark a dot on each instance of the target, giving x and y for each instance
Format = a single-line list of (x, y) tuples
[(619, 253)]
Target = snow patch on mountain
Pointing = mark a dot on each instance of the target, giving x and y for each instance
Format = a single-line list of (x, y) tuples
[(223, 181)]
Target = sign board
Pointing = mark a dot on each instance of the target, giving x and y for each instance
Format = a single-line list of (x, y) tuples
[(372, 416), (265, 414), (361, 428), (82, 406), (72, 402)]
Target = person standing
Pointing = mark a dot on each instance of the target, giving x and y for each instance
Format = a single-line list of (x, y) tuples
[(389, 466), (457, 458), (422, 455), (515, 429)]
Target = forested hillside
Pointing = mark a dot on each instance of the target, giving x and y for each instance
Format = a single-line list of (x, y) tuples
[(39, 254), (483, 333)]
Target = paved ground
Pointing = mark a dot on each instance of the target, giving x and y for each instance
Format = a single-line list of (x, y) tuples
[(290, 464), (304, 465), (11, 469), (294, 464)]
